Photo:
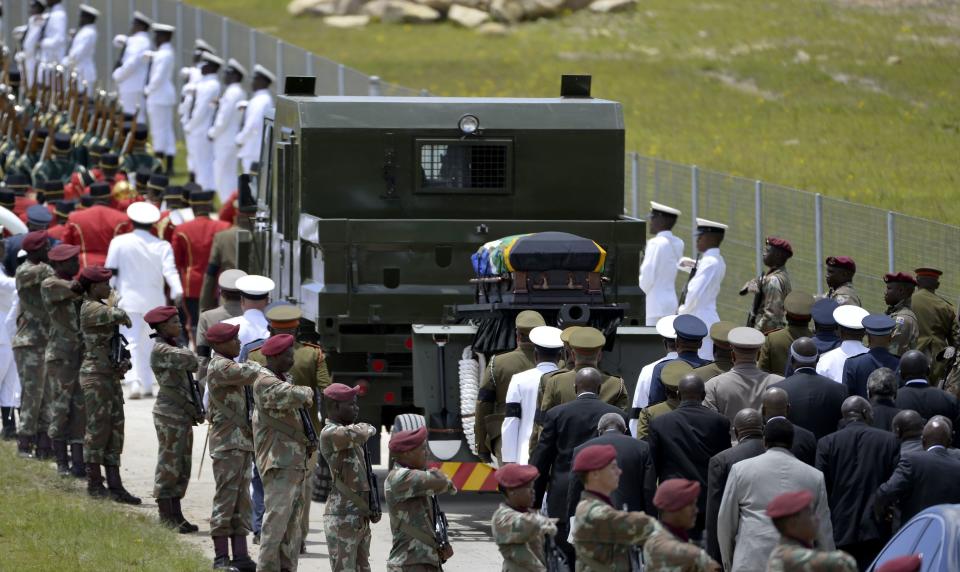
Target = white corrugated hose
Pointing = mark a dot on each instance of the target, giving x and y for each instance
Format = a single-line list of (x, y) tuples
[(469, 387)]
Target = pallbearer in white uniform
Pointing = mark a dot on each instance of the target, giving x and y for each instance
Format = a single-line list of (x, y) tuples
[(706, 276), (658, 271)]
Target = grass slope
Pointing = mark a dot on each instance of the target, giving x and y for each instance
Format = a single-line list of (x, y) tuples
[(853, 101), (47, 523)]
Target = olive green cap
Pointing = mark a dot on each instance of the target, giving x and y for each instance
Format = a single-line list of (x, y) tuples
[(567, 332), (798, 303), (720, 330), (528, 320), (284, 313), (673, 372), (586, 338)]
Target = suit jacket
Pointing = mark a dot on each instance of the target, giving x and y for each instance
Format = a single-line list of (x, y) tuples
[(683, 442), (884, 411), (919, 482), (928, 401), (638, 483), (565, 427), (912, 445), (804, 445), (717, 473), (815, 401), (858, 368), (855, 461)]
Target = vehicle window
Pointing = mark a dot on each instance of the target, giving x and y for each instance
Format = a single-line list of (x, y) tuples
[(930, 542), (456, 166), (905, 541)]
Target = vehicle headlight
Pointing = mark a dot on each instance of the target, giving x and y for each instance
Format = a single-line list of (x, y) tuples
[(468, 124)]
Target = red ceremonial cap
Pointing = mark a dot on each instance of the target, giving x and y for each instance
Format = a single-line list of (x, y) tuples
[(902, 277), (909, 563), (594, 457), (276, 345), (403, 441), (159, 315), (513, 475), (674, 494), (780, 243), (34, 240), (789, 504), (931, 272), (96, 274), (842, 262), (62, 252), (222, 332), (340, 392)]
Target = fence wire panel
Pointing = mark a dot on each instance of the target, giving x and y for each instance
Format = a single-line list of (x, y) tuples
[(355, 83), (790, 214), (860, 232), (265, 48), (327, 74), (239, 41), (294, 61), (920, 242)]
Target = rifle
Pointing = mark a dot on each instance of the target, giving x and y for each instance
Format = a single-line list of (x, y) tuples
[(128, 141), (34, 86), (196, 396), (31, 139), (693, 272), (376, 512), (757, 302), (441, 531), (308, 429), (118, 351), (556, 559)]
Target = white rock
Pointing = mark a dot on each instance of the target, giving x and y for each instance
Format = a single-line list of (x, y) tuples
[(801, 57), (298, 7), (402, 11), (347, 21), (467, 17), (375, 9), (893, 60), (609, 6), (509, 11), (493, 29)]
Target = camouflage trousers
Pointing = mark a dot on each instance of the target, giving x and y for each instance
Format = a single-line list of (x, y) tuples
[(280, 535), (174, 457), (34, 413), (231, 501), (348, 541), (412, 568), (67, 412), (103, 402), (307, 498)]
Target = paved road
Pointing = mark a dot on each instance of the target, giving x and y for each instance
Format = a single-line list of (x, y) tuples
[(469, 514)]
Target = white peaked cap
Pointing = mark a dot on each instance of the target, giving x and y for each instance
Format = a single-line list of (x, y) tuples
[(259, 69), (254, 285), (143, 213), (850, 317), (702, 222), (546, 337), (665, 327), (660, 207)]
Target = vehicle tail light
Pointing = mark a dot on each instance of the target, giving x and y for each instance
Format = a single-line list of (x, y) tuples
[(408, 343), (389, 397), (363, 386), (378, 365)]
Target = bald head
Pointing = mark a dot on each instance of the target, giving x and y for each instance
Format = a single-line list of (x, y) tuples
[(588, 379), (747, 423), (856, 408), (611, 422), (691, 388), (907, 424), (936, 432), (943, 419), (775, 403), (804, 352), (914, 365)]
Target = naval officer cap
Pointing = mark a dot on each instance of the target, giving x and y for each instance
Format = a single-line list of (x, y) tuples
[(228, 279), (690, 328), (139, 16), (546, 337), (87, 9), (264, 73), (665, 327), (746, 338), (587, 339), (798, 303), (211, 58), (850, 317), (39, 215), (878, 324), (673, 372), (528, 320), (164, 28), (235, 66), (720, 331), (202, 46), (254, 287), (143, 213), (706, 226), (661, 208), (822, 312)]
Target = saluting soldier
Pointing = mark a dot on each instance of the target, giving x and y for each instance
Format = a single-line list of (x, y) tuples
[(771, 288), (229, 308), (161, 96), (900, 287), (792, 515), (775, 353), (587, 344), (722, 352), (130, 71), (495, 380), (175, 412), (517, 530), (671, 376), (670, 548), (936, 318), (61, 165), (839, 277), (658, 271), (699, 297)]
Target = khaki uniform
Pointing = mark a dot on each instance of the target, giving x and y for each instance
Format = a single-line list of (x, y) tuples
[(62, 360), (648, 414), (174, 415), (712, 369), (604, 536), (560, 390), (845, 295), (907, 331), (791, 556), (739, 388), (519, 537), (773, 291), (409, 494), (29, 346), (664, 552), (223, 256), (775, 353), (346, 516), (492, 396), (938, 326)]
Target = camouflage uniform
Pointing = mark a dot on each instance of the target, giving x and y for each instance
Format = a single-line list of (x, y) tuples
[(100, 381), (231, 444), (664, 552), (774, 288), (174, 415), (604, 536), (492, 396), (281, 452), (845, 295), (907, 331), (791, 556), (346, 518), (62, 360), (519, 537), (29, 345), (409, 494), (648, 414)]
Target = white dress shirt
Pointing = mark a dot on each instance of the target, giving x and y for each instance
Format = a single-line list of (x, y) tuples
[(160, 89), (831, 363), (249, 138), (82, 55), (131, 76), (515, 431), (658, 275), (53, 47), (229, 119), (253, 326), (143, 263), (641, 396), (205, 101)]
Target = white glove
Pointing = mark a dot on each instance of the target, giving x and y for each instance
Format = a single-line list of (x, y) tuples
[(119, 40), (147, 55), (185, 72)]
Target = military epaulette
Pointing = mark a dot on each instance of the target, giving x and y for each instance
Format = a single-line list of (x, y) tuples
[(949, 303), (317, 347)]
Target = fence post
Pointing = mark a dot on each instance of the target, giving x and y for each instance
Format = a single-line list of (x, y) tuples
[(309, 63), (694, 195), (374, 86), (253, 48), (178, 58), (224, 39), (635, 183), (341, 79), (758, 224), (890, 242), (818, 229), (279, 88), (155, 9)]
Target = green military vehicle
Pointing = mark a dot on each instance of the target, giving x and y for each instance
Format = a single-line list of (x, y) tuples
[(370, 211)]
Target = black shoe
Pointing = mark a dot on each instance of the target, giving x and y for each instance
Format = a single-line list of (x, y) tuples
[(63, 458), (115, 486), (185, 526), (95, 486), (223, 563), (244, 564), (25, 446), (44, 447), (76, 461), (256, 539)]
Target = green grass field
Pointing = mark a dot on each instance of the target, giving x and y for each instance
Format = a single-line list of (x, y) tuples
[(47, 523), (825, 95)]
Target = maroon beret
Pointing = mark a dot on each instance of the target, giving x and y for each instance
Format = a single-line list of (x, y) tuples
[(96, 274), (276, 345), (513, 475), (62, 252), (159, 315), (842, 262), (909, 563), (34, 240), (222, 332), (674, 494), (403, 441), (789, 504), (780, 243), (594, 457), (899, 277), (340, 392)]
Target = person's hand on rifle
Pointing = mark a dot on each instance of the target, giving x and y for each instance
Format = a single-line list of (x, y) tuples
[(751, 287), (550, 528), (76, 287)]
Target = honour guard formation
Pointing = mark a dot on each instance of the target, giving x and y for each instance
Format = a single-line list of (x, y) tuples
[(801, 440)]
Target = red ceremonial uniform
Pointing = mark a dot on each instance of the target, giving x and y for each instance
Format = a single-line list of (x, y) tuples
[(21, 204), (163, 228), (228, 212), (92, 229), (192, 242), (56, 232)]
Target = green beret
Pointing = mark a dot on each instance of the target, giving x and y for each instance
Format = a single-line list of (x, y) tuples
[(673, 372), (586, 338), (798, 303), (528, 320), (720, 330)]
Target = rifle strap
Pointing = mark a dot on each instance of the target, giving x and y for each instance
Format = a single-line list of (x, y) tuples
[(180, 400), (232, 417), (419, 534), (295, 433), (352, 496)]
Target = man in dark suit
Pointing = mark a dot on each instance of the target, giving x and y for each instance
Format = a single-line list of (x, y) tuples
[(855, 461), (924, 479), (858, 368), (882, 391), (907, 427), (638, 483), (565, 427), (684, 440), (919, 395), (814, 399), (749, 429), (776, 403)]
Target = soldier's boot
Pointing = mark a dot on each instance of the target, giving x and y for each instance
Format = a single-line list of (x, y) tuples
[(241, 558), (25, 446), (9, 431), (167, 517), (95, 486), (76, 460), (115, 486), (44, 447), (185, 526), (63, 458), (170, 172), (221, 557)]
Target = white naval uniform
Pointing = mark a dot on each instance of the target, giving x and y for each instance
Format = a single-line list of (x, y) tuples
[(253, 326), (186, 104), (831, 363), (515, 431), (31, 47), (658, 275), (144, 263), (702, 292), (162, 100), (53, 46), (82, 55), (9, 380), (641, 396), (226, 124), (131, 76), (201, 118), (250, 137)]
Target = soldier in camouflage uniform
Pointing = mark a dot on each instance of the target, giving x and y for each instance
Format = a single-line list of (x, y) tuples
[(839, 277), (62, 296), (410, 490), (231, 446), (348, 514), (771, 288), (604, 536), (281, 454), (906, 333), (175, 412), (100, 376), (517, 530), (494, 381), (670, 376), (29, 345), (670, 549), (793, 516)]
